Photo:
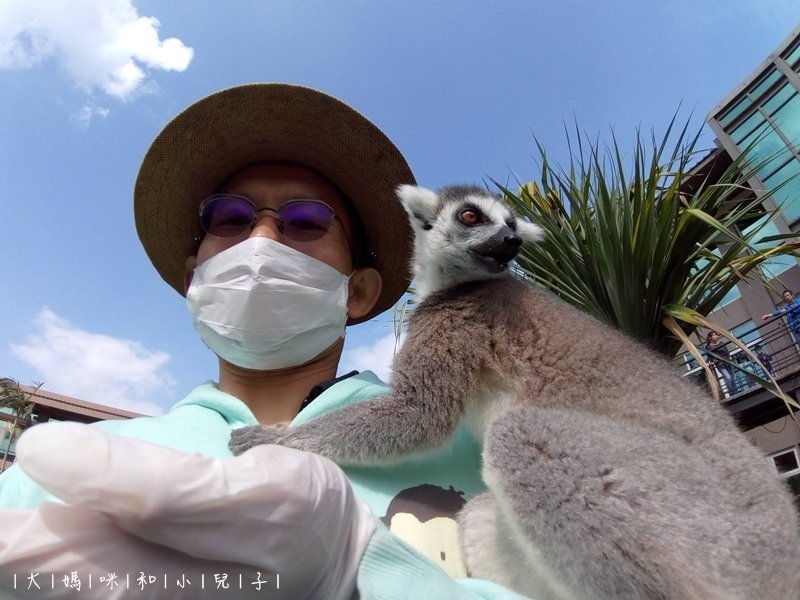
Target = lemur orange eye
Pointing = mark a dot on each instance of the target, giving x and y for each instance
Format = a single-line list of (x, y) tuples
[(469, 216)]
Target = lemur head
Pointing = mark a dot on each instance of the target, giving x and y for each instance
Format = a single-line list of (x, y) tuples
[(461, 233)]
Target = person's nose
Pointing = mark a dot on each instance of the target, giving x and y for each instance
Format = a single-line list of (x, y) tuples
[(266, 225)]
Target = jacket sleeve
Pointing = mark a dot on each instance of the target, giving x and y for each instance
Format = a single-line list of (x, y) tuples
[(392, 570)]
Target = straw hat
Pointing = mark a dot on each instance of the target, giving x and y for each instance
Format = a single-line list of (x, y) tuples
[(231, 129)]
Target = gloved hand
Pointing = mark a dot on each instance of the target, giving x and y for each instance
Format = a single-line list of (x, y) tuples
[(134, 507)]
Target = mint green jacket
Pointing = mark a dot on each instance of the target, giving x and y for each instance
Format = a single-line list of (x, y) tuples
[(416, 499)]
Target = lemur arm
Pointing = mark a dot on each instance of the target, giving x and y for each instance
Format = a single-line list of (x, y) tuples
[(435, 372)]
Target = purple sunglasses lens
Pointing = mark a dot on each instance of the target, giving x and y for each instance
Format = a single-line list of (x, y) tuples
[(227, 216), (300, 220), (304, 220)]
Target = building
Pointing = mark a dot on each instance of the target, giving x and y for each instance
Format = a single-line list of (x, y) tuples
[(762, 115), (48, 406)]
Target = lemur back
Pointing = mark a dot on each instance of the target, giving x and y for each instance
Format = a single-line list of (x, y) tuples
[(608, 475), (550, 362)]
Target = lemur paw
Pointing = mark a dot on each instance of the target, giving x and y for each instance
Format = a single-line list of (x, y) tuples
[(255, 435)]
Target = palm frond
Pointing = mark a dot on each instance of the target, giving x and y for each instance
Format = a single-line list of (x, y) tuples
[(627, 238)]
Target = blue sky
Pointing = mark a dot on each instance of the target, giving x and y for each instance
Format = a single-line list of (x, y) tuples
[(460, 86)]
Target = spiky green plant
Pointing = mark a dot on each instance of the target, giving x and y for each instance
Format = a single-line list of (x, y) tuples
[(631, 244)]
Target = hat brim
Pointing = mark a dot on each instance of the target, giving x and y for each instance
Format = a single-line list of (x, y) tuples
[(231, 129)]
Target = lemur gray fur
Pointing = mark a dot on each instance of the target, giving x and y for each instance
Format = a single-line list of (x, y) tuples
[(609, 475)]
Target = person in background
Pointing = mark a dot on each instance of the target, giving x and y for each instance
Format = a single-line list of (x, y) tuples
[(764, 357), (716, 349), (791, 309)]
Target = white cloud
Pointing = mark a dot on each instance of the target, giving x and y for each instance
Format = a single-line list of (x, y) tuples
[(100, 44), (94, 367), (376, 357), (83, 118)]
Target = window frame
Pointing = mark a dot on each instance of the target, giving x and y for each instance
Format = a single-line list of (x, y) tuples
[(790, 450)]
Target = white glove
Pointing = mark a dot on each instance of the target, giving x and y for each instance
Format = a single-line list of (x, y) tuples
[(134, 507)]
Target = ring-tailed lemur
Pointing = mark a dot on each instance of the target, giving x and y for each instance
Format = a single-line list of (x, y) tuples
[(609, 475)]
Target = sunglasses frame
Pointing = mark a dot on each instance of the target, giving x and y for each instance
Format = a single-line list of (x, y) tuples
[(281, 223)]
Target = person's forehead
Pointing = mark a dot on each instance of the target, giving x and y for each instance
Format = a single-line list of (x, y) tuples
[(286, 181), (279, 176)]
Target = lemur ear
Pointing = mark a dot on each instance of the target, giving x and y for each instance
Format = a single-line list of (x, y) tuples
[(420, 204), (529, 232)]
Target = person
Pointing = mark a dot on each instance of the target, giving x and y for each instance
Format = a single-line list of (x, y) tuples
[(717, 350), (791, 309), (765, 357), (271, 208)]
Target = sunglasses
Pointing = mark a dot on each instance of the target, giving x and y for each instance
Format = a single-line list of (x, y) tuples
[(227, 215)]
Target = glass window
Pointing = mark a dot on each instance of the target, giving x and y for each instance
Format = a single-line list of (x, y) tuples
[(772, 76), (778, 99), (786, 461), (685, 361), (754, 121), (772, 266), (765, 149), (731, 295), (6, 445), (788, 119), (6, 410), (793, 56), (793, 481), (787, 198), (746, 332), (734, 112)]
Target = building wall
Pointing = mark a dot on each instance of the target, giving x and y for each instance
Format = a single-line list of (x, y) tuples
[(761, 117), (780, 439), (48, 406), (775, 436)]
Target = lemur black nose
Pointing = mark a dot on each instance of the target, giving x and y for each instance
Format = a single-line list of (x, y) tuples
[(513, 240)]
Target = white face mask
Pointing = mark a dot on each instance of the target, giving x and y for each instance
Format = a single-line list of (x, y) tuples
[(262, 305)]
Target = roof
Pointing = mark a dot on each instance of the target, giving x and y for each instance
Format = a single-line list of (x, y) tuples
[(73, 405), (709, 169)]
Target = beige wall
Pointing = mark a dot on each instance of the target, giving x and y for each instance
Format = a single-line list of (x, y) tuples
[(756, 300), (777, 435)]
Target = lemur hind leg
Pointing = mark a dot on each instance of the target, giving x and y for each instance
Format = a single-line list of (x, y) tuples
[(493, 551), (615, 510)]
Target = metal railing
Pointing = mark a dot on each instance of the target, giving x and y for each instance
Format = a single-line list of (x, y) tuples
[(775, 346)]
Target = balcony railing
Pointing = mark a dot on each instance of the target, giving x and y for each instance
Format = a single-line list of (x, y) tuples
[(771, 340)]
